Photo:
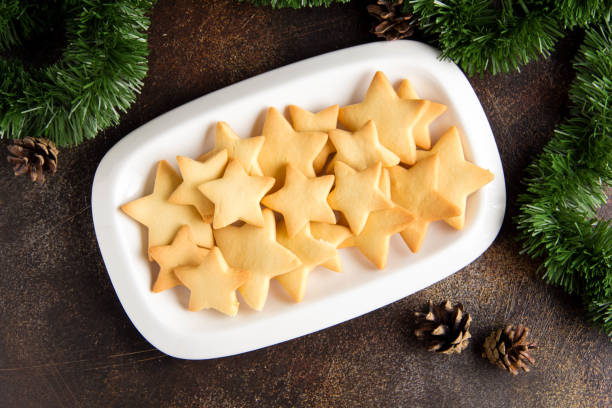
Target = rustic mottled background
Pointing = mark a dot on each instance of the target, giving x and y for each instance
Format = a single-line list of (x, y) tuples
[(66, 341)]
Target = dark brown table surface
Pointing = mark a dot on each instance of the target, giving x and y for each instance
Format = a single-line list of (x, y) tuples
[(66, 341)]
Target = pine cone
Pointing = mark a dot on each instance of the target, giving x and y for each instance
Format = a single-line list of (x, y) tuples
[(444, 328), (508, 348), (34, 156), (391, 23)]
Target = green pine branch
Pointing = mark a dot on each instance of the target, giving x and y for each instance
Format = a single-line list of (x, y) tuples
[(98, 76), (568, 182)]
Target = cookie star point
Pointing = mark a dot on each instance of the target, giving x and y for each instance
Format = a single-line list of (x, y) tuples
[(284, 145), (150, 209), (195, 173), (333, 234), (256, 250), (183, 251), (458, 177), (417, 191), (362, 148), (394, 117), (236, 196), (212, 283), (311, 252), (357, 194), (302, 199)]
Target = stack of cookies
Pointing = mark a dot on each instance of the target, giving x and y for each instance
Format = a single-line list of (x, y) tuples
[(278, 205)]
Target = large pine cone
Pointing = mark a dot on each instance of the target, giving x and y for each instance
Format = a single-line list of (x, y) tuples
[(391, 24), (508, 348), (444, 328), (34, 156)]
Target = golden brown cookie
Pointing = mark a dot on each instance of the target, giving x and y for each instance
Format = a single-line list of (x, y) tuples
[(334, 235), (432, 110), (417, 191), (236, 196), (255, 249), (373, 241), (458, 177), (394, 117), (163, 219), (323, 121), (212, 283), (195, 173), (284, 145), (181, 252), (357, 194), (245, 150), (311, 252), (361, 149), (301, 200)]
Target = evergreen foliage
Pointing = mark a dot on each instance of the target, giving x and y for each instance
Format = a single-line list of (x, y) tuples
[(500, 36), (98, 75), (567, 183)]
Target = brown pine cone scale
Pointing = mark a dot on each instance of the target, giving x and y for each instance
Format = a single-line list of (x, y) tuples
[(34, 156), (391, 23), (443, 328), (509, 349)]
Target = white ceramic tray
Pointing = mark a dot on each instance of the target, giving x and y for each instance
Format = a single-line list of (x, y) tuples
[(342, 77)]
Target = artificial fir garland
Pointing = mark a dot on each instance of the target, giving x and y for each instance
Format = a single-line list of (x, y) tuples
[(568, 182), (294, 3), (98, 75)]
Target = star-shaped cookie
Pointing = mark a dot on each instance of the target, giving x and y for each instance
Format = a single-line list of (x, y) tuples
[(417, 191), (458, 177), (284, 145), (195, 173), (357, 194), (311, 252), (301, 200), (361, 149), (236, 196), (334, 235), (323, 121), (394, 117), (181, 252), (373, 241), (245, 150), (255, 249), (212, 283), (163, 219), (432, 110)]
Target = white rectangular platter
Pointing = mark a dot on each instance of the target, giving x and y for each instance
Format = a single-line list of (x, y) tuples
[(341, 77)]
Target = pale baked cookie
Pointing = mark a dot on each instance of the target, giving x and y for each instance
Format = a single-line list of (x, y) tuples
[(245, 150), (373, 241), (284, 145), (311, 252), (195, 173), (394, 117), (255, 249), (361, 149), (417, 191), (181, 252), (432, 110), (323, 121), (357, 194), (458, 177), (163, 219), (236, 196), (301, 200), (212, 284), (334, 235)]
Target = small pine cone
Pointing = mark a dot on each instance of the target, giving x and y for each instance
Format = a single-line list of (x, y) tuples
[(34, 156), (444, 328), (391, 23), (508, 348)]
